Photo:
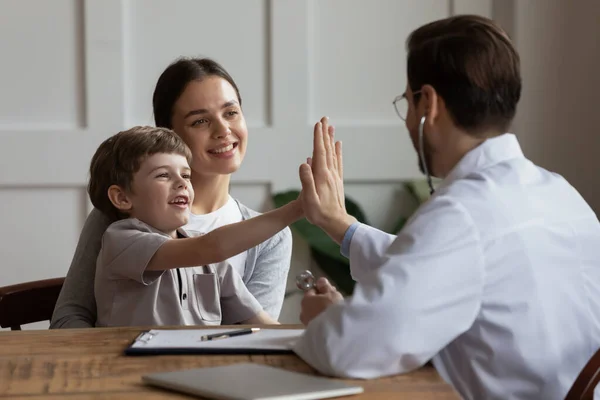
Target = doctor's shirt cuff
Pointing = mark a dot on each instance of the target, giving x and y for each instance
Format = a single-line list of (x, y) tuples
[(345, 248)]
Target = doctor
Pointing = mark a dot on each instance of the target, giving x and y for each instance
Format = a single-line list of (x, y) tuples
[(496, 278)]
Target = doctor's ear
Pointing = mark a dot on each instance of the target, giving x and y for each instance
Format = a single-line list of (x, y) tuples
[(430, 100), (118, 197)]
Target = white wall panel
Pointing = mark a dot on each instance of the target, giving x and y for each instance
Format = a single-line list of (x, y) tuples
[(357, 67), (232, 32), (256, 196), (479, 7), (41, 81), (359, 62), (39, 231)]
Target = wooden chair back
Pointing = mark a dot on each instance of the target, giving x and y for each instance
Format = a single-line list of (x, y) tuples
[(28, 302)]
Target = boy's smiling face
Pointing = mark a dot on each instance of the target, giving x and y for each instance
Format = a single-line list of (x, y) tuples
[(161, 193)]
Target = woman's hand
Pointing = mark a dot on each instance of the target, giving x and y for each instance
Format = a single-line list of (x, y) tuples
[(323, 186)]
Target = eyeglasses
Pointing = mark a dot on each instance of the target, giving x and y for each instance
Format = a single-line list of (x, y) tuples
[(401, 104)]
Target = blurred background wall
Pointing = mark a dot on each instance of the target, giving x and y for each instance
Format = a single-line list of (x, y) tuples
[(74, 72)]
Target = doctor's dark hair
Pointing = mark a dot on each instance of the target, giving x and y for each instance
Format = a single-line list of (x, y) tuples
[(120, 156), (173, 81), (473, 65)]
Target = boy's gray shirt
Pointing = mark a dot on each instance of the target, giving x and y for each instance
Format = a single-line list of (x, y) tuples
[(265, 275), (128, 294)]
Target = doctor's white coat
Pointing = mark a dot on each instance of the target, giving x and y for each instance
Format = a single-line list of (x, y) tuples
[(496, 278)]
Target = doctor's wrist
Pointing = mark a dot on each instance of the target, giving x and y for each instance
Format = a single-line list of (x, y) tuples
[(336, 227)]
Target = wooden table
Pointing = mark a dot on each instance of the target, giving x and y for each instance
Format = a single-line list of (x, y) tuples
[(89, 364)]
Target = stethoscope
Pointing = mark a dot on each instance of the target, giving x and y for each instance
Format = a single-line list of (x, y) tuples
[(305, 281), (422, 154)]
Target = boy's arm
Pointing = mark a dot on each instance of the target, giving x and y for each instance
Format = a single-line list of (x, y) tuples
[(224, 242)]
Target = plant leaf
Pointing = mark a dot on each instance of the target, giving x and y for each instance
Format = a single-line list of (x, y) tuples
[(282, 198), (318, 240), (419, 189), (337, 271), (354, 209)]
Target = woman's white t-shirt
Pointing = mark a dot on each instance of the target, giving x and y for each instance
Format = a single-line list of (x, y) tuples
[(228, 214)]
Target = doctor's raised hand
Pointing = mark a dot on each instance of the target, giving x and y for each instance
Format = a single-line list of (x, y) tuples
[(323, 204), (323, 186)]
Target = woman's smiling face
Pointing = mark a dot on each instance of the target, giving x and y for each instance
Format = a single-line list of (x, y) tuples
[(209, 118)]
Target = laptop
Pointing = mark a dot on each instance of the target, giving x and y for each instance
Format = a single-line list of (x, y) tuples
[(249, 381)]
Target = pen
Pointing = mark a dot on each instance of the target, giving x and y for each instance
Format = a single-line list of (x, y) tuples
[(224, 335)]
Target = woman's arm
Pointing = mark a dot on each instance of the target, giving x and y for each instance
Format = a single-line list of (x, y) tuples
[(269, 276), (262, 318), (238, 305), (76, 304)]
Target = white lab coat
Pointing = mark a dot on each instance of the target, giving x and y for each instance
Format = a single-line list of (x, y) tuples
[(496, 278)]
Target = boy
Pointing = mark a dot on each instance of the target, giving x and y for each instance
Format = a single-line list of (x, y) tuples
[(149, 272)]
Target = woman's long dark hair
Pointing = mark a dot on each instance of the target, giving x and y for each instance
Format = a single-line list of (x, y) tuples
[(173, 81)]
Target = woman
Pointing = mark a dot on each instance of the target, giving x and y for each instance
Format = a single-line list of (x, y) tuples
[(200, 101)]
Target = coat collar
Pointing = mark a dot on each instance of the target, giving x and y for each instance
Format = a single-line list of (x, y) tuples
[(491, 152)]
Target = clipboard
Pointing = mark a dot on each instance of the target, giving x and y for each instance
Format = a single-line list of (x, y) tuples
[(187, 341)]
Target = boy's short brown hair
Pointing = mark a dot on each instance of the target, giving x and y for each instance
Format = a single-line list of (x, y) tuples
[(473, 65), (119, 157)]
